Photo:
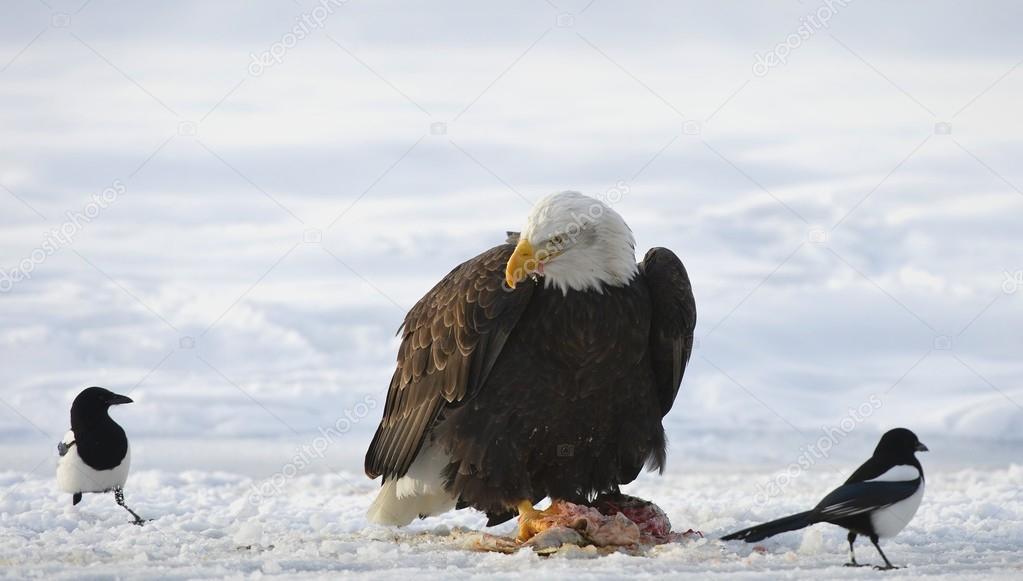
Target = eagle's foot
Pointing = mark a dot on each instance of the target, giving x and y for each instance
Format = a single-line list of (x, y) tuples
[(529, 519), (533, 521)]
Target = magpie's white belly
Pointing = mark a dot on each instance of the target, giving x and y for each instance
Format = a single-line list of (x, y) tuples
[(889, 521), (74, 475)]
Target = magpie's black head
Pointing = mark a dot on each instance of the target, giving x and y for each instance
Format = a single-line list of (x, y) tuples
[(92, 404), (899, 443)]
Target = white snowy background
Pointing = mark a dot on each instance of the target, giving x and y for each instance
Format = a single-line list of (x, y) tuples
[(850, 220)]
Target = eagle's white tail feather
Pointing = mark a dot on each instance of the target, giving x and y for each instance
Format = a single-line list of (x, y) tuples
[(424, 475), (388, 509), (417, 494)]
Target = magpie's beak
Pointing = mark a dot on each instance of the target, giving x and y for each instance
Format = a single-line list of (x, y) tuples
[(119, 399), (920, 447)]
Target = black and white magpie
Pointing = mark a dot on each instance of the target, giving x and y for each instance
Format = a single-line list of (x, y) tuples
[(877, 501), (94, 455)]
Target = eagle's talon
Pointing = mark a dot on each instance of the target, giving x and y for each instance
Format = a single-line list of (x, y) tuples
[(533, 522), (527, 521)]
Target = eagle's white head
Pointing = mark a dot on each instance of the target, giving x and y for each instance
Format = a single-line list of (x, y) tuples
[(574, 242)]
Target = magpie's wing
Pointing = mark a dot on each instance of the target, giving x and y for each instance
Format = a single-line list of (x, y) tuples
[(450, 341), (862, 497), (869, 470), (673, 321)]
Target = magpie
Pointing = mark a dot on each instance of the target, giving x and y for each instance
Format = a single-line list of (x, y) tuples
[(877, 501), (94, 455)]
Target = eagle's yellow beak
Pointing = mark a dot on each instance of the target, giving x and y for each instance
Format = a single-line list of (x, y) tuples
[(522, 263)]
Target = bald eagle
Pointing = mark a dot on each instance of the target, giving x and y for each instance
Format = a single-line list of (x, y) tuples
[(540, 368)]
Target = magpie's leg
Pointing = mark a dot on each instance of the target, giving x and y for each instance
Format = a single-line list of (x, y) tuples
[(119, 496), (76, 498), (852, 553), (887, 564)]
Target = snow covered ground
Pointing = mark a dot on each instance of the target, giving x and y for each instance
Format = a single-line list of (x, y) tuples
[(207, 524), (238, 243)]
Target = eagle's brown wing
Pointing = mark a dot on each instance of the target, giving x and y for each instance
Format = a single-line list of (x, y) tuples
[(450, 341), (673, 321)]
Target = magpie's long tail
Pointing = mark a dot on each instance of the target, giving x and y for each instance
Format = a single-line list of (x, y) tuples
[(769, 529)]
